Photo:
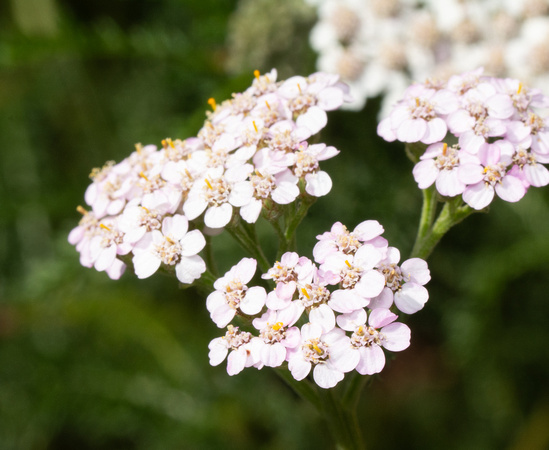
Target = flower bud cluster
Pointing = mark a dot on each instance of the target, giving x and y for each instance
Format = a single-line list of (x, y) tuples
[(332, 315), (484, 136), (382, 46), (251, 155)]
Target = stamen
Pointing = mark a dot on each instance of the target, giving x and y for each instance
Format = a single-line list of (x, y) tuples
[(256, 73), (277, 326), (208, 183), (299, 87), (317, 349), (81, 210), (105, 227), (268, 106), (142, 175), (417, 102), (138, 147), (305, 293), (146, 210), (211, 102), (444, 148), (188, 173), (519, 88), (255, 126), (164, 144), (348, 264)]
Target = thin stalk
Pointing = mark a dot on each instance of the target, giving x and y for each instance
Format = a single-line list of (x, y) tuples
[(354, 390), (209, 256), (250, 244), (304, 388), (342, 422), (428, 212), (295, 219), (450, 215)]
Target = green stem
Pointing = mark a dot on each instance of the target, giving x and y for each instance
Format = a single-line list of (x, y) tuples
[(452, 213), (428, 213), (342, 422), (294, 220), (304, 388), (356, 384), (247, 239), (209, 256)]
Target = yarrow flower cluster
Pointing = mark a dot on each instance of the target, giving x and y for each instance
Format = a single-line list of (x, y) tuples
[(483, 136), (251, 155), (330, 316), (381, 46)]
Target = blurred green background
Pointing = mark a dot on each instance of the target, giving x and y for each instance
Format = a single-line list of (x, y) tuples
[(89, 363)]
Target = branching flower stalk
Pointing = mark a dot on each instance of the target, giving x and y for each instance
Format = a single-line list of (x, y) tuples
[(323, 323)]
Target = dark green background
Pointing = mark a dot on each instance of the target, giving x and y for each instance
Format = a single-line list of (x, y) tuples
[(89, 363)]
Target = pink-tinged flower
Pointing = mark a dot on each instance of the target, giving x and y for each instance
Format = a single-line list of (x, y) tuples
[(330, 355), (288, 273), (239, 344), (492, 177), (285, 136), (528, 168), (81, 235), (404, 284), (309, 98), (439, 164), (217, 193), (173, 245), (277, 334), (306, 165), (357, 275), (232, 295), (280, 188), (340, 239), (106, 194), (137, 220), (263, 84), (105, 245), (314, 298), (418, 116), (367, 340), (539, 130)]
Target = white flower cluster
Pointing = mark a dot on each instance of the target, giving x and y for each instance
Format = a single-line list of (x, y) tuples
[(251, 154), (486, 136), (344, 297), (382, 46)]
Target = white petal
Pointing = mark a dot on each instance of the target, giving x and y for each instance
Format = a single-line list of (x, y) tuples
[(192, 243), (145, 264), (411, 298), (253, 301), (218, 216), (326, 376), (190, 268)]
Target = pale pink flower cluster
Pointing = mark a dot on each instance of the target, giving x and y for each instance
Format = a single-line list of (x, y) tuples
[(330, 316), (251, 155), (382, 46), (485, 136)]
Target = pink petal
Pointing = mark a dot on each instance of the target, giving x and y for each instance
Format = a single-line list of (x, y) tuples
[(478, 196), (372, 360), (510, 189), (397, 337), (326, 376), (411, 298)]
